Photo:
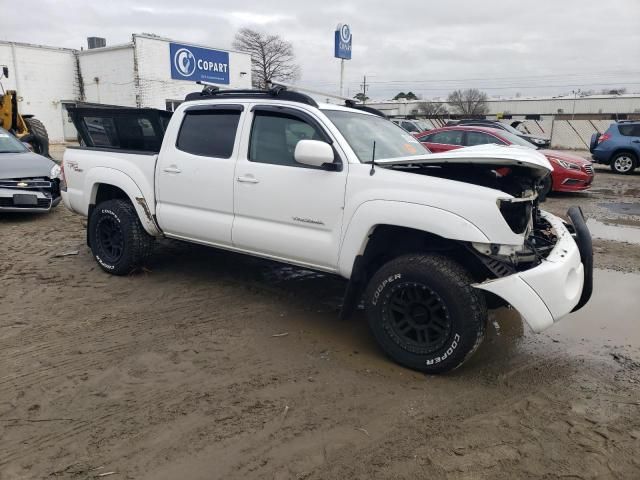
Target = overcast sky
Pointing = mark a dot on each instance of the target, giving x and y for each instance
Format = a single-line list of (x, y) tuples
[(540, 47)]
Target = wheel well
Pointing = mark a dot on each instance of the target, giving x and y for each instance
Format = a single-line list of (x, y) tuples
[(389, 241), (109, 192), (624, 150)]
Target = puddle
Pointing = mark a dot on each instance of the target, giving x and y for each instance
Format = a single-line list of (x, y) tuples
[(612, 316), (610, 231), (622, 207)]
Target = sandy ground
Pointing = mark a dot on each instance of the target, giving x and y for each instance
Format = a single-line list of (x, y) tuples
[(214, 365)]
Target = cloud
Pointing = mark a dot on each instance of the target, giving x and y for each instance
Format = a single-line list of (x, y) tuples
[(542, 47)]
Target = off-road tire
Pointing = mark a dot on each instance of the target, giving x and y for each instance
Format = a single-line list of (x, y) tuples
[(120, 217), (38, 136), (434, 277), (631, 168)]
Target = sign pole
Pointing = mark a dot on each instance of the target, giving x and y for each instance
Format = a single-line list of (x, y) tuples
[(342, 49), (341, 77)]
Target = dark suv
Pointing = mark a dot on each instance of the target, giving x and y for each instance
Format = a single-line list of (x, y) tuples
[(540, 142), (618, 147)]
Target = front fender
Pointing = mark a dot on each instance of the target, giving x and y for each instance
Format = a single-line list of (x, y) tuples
[(401, 214), (117, 178)]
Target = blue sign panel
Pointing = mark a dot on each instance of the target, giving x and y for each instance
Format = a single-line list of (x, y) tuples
[(195, 63), (343, 40)]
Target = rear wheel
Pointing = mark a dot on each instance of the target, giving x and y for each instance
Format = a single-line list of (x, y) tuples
[(37, 136), (118, 241), (424, 313), (624, 163)]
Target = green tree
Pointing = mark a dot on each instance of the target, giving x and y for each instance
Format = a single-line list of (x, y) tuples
[(361, 97)]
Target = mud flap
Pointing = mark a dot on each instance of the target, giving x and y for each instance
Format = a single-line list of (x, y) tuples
[(582, 237)]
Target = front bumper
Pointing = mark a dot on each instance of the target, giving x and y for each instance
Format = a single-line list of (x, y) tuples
[(559, 285), (43, 201)]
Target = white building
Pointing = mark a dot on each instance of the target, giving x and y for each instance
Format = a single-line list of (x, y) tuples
[(533, 106), (149, 71)]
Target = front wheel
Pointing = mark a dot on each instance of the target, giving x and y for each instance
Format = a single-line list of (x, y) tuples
[(424, 313), (623, 163), (118, 241)]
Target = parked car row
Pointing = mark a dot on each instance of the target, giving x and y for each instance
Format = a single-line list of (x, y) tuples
[(571, 173)]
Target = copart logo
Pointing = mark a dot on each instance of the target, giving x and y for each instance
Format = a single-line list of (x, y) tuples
[(345, 33), (185, 62)]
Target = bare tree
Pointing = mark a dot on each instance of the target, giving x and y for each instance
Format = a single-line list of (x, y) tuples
[(361, 97), (468, 102), (272, 58), (432, 109)]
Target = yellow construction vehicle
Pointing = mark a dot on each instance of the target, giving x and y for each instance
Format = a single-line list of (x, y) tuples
[(27, 128)]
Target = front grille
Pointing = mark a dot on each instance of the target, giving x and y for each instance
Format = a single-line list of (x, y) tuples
[(8, 202), (589, 169), (31, 183)]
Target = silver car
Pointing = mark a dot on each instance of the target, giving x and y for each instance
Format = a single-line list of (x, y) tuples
[(28, 181)]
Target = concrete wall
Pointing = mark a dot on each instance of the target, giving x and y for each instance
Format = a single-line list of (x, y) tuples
[(154, 72), (43, 77), (107, 74)]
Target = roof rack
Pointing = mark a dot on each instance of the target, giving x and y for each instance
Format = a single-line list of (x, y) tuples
[(276, 91)]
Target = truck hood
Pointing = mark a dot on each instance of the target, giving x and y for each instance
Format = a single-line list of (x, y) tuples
[(24, 165), (494, 155)]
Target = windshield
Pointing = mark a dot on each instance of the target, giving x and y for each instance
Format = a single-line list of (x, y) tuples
[(509, 128), (516, 140), (10, 144), (361, 130)]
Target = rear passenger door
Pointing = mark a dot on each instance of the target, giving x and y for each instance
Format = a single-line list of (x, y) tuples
[(194, 177), (480, 138)]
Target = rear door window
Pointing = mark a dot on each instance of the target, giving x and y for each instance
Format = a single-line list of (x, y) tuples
[(209, 132), (480, 138), (448, 137), (629, 130)]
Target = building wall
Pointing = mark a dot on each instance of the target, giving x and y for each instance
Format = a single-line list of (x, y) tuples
[(154, 72), (596, 104), (43, 77), (107, 75)]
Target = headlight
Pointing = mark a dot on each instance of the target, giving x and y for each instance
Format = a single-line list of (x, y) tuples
[(564, 164), (55, 172)]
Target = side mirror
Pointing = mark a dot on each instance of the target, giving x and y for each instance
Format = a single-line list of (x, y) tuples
[(5, 71), (313, 152)]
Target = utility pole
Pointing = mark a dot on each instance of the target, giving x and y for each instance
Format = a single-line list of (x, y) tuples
[(364, 87), (575, 95)]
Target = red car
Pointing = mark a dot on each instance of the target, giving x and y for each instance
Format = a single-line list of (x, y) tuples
[(570, 172)]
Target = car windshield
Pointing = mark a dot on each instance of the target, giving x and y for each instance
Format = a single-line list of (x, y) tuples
[(509, 128), (516, 140), (361, 130), (10, 144)]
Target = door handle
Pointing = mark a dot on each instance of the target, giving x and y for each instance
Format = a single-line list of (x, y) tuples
[(248, 179), (172, 169)]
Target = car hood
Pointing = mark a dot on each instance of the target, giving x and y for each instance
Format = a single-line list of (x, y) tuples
[(495, 155), (567, 157), (24, 165)]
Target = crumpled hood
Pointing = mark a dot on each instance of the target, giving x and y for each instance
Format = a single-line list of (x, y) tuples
[(498, 155), (24, 165)]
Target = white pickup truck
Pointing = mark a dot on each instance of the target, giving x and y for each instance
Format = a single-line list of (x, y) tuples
[(427, 241)]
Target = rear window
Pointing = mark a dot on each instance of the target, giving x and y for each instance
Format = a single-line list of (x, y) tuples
[(209, 133), (629, 130)]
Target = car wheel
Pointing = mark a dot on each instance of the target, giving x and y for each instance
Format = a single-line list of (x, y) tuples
[(118, 241), (424, 313), (623, 163)]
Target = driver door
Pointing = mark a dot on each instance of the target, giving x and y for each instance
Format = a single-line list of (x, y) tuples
[(283, 209)]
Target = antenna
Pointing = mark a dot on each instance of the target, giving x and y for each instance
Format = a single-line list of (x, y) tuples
[(373, 160)]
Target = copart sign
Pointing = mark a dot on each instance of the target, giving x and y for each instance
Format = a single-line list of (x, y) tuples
[(196, 63)]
